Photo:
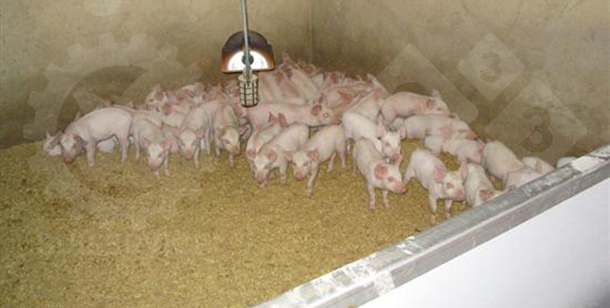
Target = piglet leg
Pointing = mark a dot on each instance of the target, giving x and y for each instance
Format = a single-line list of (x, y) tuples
[(90, 149), (124, 142), (371, 191), (311, 179), (384, 194), (448, 204), (331, 162)]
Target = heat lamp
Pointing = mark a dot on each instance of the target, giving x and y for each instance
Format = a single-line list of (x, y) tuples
[(254, 47)]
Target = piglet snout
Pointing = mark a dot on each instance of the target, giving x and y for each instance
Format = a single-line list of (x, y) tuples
[(68, 158), (260, 178), (234, 150), (400, 189)]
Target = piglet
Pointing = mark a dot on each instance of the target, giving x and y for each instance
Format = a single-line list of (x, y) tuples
[(537, 164), (478, 187), (440, 183), (564, 161), (169, 133), (50, 145), (385, 141), (465, 150), (227, 132), (272, 154), (149, 137), (421, 126), (261, 136), (406, 104), (316, 114), (270, 89), (502, 163), (196, 127), (520, 177), (304, 83), (87, 131), (376, 171), (324, 145), (370, 105), (499, 160)]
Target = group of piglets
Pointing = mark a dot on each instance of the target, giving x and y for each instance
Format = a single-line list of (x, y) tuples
[(185, 121), (306, 116)]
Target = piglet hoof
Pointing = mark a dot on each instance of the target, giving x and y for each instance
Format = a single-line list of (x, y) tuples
[(447, 214), (371, 206), (91, 164), (433, 219), (309, 193), (386, 205)]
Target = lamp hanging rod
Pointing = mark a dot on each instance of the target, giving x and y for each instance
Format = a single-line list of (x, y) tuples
[(244, 15)]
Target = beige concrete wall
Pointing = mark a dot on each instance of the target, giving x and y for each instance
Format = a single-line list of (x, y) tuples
[(561, 47), (36, 33), (564, 45)]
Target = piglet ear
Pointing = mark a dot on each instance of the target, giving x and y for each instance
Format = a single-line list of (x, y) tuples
[(430, 104), (314, 154), (346, 97), (322, 99), (282, 118), (251, 154), (438, 174), (288, 155), (55, 141), (464, 171), (271, 118), (380, 130), (380, 171), (316, 109), (485, 194), (272, 155), (80, 140), (167, 109)]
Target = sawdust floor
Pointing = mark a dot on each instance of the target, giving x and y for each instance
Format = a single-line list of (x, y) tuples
[(115, 236)]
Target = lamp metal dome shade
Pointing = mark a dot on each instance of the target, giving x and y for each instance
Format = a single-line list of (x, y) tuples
[(261, 53)]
